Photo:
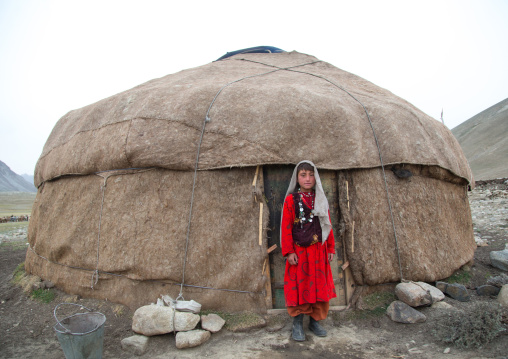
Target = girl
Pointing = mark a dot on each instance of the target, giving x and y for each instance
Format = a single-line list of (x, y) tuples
[(308, 245)]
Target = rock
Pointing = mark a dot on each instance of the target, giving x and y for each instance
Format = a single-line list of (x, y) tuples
[(71, 298), (412, 294), (480, 242), (192, 338), (502, 297), (29, 283), (488, 290), (48, 284), (243, 322), (38, 285), (455, 290), (443, 305), (498, 281), (499, 259), (212, 322), (186, 321), (275, 323), (441, 286), (415, 351), (402, 313), (154, 319), (136, 344), (435, 293), (446, 351)]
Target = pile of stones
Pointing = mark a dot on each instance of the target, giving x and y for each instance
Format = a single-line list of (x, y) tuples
[(158, 319), (412, 295)]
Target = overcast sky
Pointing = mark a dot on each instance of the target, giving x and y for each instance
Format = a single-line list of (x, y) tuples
[(56, 56)]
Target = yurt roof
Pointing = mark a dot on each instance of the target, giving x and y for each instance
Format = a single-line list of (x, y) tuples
[(274, 108)]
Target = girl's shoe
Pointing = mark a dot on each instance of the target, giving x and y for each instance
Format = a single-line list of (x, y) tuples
[(316, 328), (298, 334)]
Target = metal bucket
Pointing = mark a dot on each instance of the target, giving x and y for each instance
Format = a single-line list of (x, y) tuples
[(81, 335)]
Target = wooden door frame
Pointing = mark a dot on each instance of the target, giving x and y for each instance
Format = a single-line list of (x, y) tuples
[(274, 192)]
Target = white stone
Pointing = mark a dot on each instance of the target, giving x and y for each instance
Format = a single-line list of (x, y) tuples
[(192, 338), (136, 344), (212, 322), (502, 297), (446, 351), (443, 305), (154, 320), (499, 259), (435, 293), (412, 294), (402, 313)]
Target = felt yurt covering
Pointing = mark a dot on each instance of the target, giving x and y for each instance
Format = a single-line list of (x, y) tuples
[(115, 183)]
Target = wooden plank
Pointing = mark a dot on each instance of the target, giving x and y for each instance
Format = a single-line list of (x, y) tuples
[(353, 238), (275, 182), (260, 223), (268, 284), (255, 177), (271, 249), (329, 182), (344, 205), (349, 285), (347, 194)]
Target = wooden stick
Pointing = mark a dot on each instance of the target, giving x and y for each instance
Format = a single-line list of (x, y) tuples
[(271, 249), (345, 265), (347, 194), (255, 177), (260, 223), (344, 254), (268, 285), (353, 238), (264, 265)]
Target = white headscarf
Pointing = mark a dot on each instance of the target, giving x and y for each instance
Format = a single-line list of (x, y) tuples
[(320, 203)]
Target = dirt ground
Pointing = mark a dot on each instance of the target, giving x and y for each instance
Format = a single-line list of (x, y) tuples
[(26, 325)]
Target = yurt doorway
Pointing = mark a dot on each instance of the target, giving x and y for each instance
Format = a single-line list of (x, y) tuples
[(276, 181)]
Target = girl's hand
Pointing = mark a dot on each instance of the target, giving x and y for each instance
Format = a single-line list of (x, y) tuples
[(330, 257), (293, 259)]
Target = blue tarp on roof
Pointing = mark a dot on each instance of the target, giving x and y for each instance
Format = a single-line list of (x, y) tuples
[(250, 50)]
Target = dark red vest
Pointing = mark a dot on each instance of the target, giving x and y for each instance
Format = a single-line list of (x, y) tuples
[(309, 232)]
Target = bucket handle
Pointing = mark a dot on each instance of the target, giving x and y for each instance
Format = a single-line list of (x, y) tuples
[(54, 313)]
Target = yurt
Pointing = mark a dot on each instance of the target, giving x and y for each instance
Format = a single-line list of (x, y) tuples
[(176, 186)]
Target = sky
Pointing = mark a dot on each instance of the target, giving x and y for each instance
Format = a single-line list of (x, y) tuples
[(56, 56)]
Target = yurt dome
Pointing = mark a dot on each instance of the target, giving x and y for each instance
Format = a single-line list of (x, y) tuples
[(176, 183)]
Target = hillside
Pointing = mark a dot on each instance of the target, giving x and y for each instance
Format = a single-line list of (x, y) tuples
[(28, 178), (484, 140), (12, 182)]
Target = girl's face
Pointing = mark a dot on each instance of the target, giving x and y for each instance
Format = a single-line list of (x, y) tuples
[(306, 180)]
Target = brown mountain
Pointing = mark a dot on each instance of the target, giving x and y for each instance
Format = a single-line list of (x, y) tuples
[(484, 139)]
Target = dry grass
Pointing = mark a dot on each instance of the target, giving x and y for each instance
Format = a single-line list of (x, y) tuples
[(16, 203), (472, 329)]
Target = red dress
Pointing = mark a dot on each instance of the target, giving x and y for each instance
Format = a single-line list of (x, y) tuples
[(311, 280)]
